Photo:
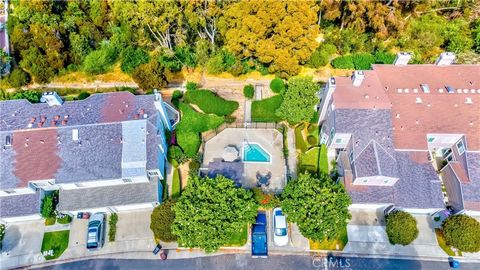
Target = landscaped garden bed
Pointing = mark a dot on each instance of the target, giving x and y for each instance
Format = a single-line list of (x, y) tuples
[(239, 238), (55, 243), (335, 244)]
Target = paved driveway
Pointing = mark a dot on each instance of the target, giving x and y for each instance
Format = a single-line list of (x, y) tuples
[(367, 234)]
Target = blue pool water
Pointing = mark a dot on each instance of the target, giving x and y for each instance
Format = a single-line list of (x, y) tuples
[(253, 152)]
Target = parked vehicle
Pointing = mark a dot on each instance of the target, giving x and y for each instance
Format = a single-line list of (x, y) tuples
[(96, 231), (83, 215), (259, 236), (280, 227)]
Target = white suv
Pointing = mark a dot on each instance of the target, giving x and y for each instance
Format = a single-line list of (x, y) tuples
[(96, 231), (280, 228)]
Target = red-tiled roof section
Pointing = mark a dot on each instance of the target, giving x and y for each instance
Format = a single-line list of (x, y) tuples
[(369, 95), (36, 155), (470, 205), (414, 115), (118, 106)]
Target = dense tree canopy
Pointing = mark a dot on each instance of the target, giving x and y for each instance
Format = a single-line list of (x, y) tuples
[(401, 228), (210, 210), (462, 232), (161, 222), (299, 100), (53, 37), (278, 33), (318, 205)]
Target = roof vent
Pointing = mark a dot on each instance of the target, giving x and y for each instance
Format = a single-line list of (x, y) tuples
[(468, 100), (51, 98), (402, 59), (75, 134), (357, 77), (418, 100), (445, 59)]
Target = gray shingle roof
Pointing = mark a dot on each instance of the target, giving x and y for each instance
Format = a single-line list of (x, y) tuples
[(19, 205), (373, 160), (471, 190), (121, 194)]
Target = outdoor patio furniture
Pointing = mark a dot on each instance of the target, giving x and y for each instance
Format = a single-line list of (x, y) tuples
[(230, 153), (263, 180)]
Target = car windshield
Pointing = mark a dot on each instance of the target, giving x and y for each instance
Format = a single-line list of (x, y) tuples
[(280, 231)]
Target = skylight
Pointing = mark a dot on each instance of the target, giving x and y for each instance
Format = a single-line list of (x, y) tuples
[(425, 88)]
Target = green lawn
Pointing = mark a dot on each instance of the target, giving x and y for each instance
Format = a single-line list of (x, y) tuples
[(191, 125), (210, 102), (300, 142), (238, 239), (56, 241), (341, 241), (176, 184), (264, 110)]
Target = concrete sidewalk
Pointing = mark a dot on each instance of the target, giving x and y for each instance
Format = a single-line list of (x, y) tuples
[(292, 153)]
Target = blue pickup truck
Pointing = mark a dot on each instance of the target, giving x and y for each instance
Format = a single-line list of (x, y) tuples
[(259, 236)]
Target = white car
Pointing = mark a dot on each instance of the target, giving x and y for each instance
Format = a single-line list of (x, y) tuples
[(280, 228)]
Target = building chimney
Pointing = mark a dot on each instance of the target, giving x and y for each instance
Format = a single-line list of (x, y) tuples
[(402, 59), (51, 98), (445, 59), (357, 77)]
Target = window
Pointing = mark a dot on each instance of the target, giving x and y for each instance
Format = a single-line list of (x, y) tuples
[(365, 180), (431, 139), (385, 181), (460, 147), (332, 132), (350, 156), (339, 141), (324, 138)]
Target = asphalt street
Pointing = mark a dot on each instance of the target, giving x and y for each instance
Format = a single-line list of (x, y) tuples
[(242, 261)]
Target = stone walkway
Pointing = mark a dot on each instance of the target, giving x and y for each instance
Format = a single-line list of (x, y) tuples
[(292, 153), (248, 111)]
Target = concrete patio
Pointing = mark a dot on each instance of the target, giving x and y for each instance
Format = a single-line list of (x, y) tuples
[(245, 173)]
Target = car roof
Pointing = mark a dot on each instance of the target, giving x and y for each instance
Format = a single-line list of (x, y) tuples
[(280, 222), (97, 216)]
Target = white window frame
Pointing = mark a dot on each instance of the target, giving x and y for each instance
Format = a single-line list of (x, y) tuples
[(460, 152), (350, 157)]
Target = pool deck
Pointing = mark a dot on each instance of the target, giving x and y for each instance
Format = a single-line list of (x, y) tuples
[(269, 139)]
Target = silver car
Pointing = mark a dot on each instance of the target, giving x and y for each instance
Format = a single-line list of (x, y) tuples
[(96, 231)]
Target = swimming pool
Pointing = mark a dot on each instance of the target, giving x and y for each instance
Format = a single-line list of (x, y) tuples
[(253, 152)]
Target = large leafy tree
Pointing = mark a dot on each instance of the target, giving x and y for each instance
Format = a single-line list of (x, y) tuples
[(401, 228), (161, 222), (462, 232), (280, 34), (299, 100), (210, 210), (318, 205)]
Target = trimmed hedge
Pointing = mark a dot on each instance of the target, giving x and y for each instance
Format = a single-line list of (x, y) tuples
[(176, 184), (210, 102), (277, 85), (264, 110), (161, 222), (66, 219), (112, 223), (248, 91)]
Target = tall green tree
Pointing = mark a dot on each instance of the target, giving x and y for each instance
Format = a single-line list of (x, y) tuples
[(462, 232), (299, 100), (318, 205), (210, 210)]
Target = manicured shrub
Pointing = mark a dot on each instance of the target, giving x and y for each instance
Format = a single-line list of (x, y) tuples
[(277, 85), (47, 208), (323, 160), (175, 153), (191, 86), (343, 62), (300, 143), (248, 91), (190, 142), (264, 110), (161, 222), (83, 95), (64, 219), (18, 78), (112, 230), (30, 95), (462, 232), (363, 61), (176, 96), (401, 228), (384, 57), (210, 102), (176, 184)]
